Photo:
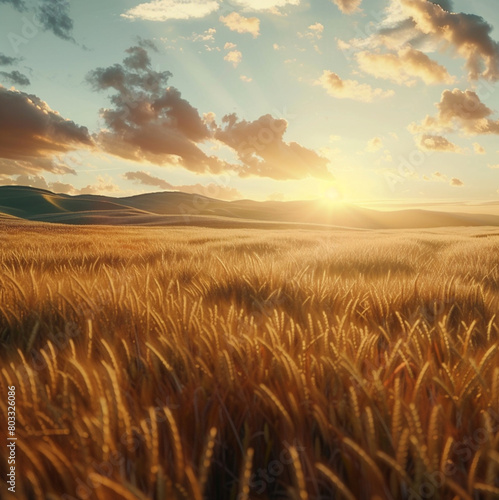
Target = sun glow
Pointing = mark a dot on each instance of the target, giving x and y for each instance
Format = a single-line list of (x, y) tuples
[(332, 197)]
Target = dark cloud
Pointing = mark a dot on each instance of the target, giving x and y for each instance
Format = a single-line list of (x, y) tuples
[(7, 61), (32, 134), (147, 44), (211, 190), (17, 4), (134, 80), (53, 15), (150, 121), (15, 77), (445, 4)]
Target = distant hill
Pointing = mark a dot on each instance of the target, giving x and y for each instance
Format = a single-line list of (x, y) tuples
[(174, 208)]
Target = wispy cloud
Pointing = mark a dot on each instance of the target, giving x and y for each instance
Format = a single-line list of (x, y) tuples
[(264, 5), (478, 149), (17, 4), (404, 67), (375, 144), (54, 16), (15, 77), (163, 10), (212, 189), (350, 89), (7, 61)]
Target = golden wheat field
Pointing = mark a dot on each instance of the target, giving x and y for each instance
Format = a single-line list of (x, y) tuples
[(188, 363)]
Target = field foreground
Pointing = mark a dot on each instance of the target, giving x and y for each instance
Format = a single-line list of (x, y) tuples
[(189, 363)]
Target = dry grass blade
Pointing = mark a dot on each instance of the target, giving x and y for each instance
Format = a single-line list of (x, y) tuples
[(244, 489), (117, 490), (336, 481), (298, 473)]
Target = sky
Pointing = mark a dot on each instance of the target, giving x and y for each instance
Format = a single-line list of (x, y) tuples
[(348, 100)]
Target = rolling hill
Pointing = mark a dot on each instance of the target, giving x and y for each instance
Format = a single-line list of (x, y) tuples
[(175, 208)]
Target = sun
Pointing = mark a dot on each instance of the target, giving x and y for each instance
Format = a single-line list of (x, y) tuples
[(332, 197)]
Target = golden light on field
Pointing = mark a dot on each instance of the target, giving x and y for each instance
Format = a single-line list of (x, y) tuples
[(183, 361)]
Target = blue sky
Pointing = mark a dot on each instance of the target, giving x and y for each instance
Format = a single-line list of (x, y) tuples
[(346, 84)]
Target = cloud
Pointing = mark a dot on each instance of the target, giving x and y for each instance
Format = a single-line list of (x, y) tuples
[(212, 190), (149, 121), (207, 36), (263, 152), (439, 177), (164, 10), (241, 24), (31, 134), (317, 28), (15, 77), (478, 149), (35, 181), (229, 45), (493, 166), (431, 26), (348, 6), (7, 61), (404, 67), (245, 78), (445, 4), (234, 57), (17, 4), (375, 144), (148, 44), (265, 5), (456, 182), (350, 89), (429, 142), (104, 185), (459, 111), (33, 166), (469, 34), (53, 15)]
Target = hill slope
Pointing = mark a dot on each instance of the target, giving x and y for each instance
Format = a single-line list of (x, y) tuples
[(174, 208)]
